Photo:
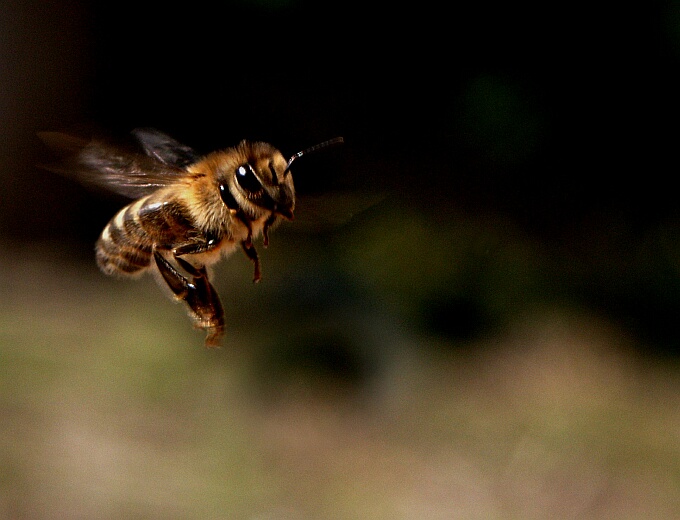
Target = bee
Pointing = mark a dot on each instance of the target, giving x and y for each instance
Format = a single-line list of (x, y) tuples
[(189, 210)]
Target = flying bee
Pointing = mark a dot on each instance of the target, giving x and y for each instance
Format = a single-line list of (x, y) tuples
[(190, 210)]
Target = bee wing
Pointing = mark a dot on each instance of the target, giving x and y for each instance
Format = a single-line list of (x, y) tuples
[(98, 164), (164, 148), (328, 212)]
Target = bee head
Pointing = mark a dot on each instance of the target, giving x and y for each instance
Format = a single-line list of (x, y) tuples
[(262, 177), (255, 182)]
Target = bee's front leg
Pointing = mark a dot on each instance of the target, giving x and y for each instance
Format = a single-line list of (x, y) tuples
[(251, 253), (200, 295)]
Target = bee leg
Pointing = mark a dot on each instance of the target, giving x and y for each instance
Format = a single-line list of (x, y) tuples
[(199, 246), (205, 301), (251, 253), (199, 294), (265, 230)]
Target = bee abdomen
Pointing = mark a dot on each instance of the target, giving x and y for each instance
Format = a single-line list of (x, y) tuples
[(126, 245), (123, 247)]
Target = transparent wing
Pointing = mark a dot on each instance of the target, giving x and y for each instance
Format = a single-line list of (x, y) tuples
[(328, 212), (98, 164), (164, 148)]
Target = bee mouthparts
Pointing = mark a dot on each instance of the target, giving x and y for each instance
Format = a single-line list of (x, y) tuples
[(286, 213)]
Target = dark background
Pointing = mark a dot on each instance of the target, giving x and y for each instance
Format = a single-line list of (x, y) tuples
[(561, 119)]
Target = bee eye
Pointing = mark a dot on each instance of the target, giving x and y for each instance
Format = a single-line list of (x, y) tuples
[(227, 197), (246, 178)]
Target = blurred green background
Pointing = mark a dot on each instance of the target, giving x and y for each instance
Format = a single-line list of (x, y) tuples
[(475, 315)]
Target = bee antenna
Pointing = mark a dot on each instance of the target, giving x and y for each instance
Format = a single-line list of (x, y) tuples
[(330, 142)]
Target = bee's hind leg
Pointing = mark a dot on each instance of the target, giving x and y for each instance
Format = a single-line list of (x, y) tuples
[(199, 294)]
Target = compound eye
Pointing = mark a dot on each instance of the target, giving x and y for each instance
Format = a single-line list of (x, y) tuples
[(246, 178), (227, 197)]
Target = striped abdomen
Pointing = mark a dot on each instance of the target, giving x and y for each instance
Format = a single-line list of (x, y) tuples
[(126, 245)]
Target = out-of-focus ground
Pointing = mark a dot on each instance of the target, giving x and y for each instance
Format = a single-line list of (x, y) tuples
[(330, 397)]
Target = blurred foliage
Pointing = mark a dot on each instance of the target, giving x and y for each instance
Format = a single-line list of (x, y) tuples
[(500, 120)]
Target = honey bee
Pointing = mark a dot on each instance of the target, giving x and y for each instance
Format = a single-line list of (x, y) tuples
[(189, 210)]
